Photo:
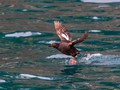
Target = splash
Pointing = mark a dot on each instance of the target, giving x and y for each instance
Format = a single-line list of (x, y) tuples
[(100, 59), (89, 56)]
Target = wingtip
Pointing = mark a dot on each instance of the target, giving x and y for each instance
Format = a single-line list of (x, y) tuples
[(57, 24), (86, 34)]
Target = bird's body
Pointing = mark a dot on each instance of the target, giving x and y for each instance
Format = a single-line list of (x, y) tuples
[(66, 46)]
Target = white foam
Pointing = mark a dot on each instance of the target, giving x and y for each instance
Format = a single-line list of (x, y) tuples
[(95, 31), (47, 42), (93, 55), (101, 1), (58, 56), (22, 34), (24, 10), (89, 56), (95, 17), (2, 81), (29, 76)]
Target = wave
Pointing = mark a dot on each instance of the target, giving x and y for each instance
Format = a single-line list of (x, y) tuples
[(29, 76), (22, 34)]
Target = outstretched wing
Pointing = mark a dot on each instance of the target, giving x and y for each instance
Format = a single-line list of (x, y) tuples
[(62, 31), (79, 40)]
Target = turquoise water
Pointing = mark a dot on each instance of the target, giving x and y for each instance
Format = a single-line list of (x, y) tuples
[(26, 31)]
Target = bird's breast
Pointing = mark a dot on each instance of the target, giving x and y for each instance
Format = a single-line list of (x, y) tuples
[(66, 49)]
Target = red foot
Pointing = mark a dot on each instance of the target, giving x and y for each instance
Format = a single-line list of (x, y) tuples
[(73, 62)]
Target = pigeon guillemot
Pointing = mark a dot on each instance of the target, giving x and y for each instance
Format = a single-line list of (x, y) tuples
[(66, 46)]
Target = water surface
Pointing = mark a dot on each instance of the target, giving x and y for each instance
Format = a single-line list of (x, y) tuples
[(26, 31)]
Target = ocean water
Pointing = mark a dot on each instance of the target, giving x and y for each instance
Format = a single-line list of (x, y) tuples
[(26, 31)]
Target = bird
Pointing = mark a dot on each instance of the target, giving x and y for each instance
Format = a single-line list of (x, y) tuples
[(67, 45)]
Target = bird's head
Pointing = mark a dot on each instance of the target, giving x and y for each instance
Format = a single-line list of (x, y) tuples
[(55, 45)]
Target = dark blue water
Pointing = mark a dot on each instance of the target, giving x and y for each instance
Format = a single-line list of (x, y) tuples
[(26, 31)]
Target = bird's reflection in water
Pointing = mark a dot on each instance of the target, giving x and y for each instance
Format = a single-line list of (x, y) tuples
[(71, 69)]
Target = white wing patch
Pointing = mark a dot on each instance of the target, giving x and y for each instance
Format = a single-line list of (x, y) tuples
[(65, 36)]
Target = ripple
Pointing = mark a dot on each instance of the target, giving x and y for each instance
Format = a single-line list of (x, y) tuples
[(66, 10), (77, 19), (14, 19), (70, 86), (102, 32), (10, 65), (28, 10), (98, 43), (114, 84), (48, 7), (105, 32), (111, 39), (98, 11)]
